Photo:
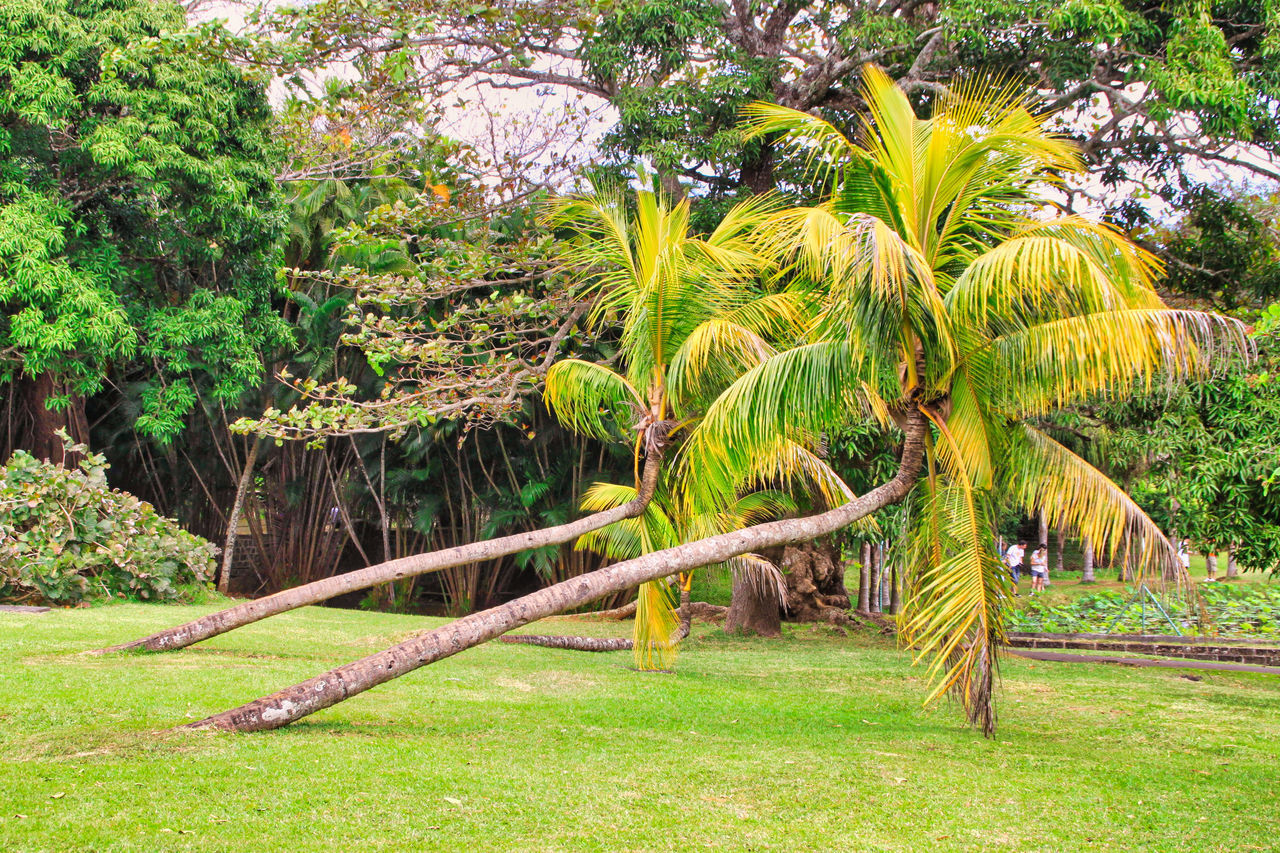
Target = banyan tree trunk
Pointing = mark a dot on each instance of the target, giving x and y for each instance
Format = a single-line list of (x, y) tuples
[(814, 577), (283, 707), (405, 567)]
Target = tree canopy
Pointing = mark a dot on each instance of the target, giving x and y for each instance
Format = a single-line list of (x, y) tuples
[(138, 212)]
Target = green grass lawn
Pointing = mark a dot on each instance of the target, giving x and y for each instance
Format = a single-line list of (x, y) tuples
[(812, 742)]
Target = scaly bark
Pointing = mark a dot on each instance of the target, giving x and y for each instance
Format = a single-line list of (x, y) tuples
[(394, 570), (301, 700)]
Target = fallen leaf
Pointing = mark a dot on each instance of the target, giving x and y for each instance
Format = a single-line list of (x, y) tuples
[(453, 801)]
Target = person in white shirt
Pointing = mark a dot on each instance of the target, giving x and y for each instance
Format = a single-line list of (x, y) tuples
[(1039, 568), (1013, 559)]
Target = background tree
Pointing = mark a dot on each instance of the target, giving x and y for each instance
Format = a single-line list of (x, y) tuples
[(138, 218)]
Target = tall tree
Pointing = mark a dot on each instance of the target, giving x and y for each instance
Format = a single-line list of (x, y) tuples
[(1154, 92), (138, 215)]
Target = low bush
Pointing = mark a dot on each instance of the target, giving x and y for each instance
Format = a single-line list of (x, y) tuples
[(66, 536)]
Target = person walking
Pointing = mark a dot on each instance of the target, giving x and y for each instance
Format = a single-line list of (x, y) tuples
[(1013, 559), (1039, 568)]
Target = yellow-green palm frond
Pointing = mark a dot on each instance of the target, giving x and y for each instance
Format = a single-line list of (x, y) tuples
[(794, 468), (1105, 354), (1126, 264), (953, 614), (1041, 474), (711, 358), (591, 399), (604, 234), (824, 148), (796, 395), (656, 629), (631, 537), (1027, 278), (975, 433)]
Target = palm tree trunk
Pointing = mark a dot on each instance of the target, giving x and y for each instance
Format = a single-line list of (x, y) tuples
[(293, 703), (752, 609), (237, 506), (877, 566), (1062, 547), (864, 580), (1087, 575), (686, 611), (394, 570), (895, 592)]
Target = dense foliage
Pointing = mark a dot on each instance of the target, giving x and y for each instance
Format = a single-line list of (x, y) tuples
[(138, 212), (66, 536)]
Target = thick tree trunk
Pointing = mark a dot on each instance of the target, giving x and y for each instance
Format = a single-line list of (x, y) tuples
[(1087, 575), (405, 567), (1211, 564), (864, 580), (1233, 570), (281, 708), (814, 577), (752, 610), (237, 506), (1062, 547), (42, 440), (1043, 537)]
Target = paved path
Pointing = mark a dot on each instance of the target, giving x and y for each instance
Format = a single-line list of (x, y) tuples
[(22, 608), (1162, 664)]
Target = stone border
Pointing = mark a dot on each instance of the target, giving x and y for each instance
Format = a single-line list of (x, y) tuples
[(1194, 648)]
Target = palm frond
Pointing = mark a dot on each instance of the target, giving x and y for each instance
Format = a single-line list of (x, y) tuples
[(591, 399), (1104, 354), (655, 632), (1042, 474)]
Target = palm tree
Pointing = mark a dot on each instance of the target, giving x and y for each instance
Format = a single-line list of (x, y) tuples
[(949, 282), (690, 313), (954, 303)]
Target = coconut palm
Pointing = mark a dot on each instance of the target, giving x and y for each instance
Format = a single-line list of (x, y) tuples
[(955, 302), (691, 316), (949, 282)]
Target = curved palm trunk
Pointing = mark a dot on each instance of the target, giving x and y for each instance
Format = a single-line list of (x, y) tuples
[(394, 570), (293, 703)]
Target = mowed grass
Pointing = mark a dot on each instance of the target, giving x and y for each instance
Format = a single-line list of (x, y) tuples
[(811, 742)]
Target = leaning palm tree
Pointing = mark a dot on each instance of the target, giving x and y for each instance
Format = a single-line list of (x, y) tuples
[(949, 283), (955, 303), (690, 312)]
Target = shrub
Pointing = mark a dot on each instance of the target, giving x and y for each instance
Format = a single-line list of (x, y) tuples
[(65, 536)]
